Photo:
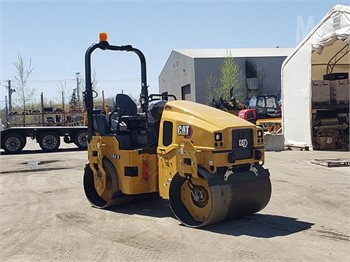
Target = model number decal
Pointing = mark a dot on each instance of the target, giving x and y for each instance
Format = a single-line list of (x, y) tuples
[(115, 156), (184, 130)]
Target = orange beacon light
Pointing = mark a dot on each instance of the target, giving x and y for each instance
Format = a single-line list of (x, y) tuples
[(103, 37)]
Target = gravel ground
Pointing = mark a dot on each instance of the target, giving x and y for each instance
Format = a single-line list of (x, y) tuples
[(44, 216)]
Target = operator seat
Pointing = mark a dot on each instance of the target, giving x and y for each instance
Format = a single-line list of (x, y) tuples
[(132, 130), (127, 110)]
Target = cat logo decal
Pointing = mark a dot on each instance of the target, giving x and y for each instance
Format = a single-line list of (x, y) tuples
[(185, 131)]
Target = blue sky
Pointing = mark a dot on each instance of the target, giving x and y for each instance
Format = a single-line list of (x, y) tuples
[(56, 34)]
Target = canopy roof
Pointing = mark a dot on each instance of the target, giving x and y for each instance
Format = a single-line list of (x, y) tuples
[(334, 26), (328, 39)]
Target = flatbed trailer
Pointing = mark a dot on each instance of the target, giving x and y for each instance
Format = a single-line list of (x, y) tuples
[(13, 139)]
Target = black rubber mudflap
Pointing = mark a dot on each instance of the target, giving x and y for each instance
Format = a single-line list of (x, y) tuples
[(242, 194)]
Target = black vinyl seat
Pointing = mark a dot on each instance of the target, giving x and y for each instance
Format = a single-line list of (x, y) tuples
[(132, 131), (127, 110), (125, 105)]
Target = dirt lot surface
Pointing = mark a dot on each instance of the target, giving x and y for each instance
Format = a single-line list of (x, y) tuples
[(44, 216)]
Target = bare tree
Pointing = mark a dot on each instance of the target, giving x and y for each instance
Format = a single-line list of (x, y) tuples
[(211, 88), (63, 93), (23, 91)]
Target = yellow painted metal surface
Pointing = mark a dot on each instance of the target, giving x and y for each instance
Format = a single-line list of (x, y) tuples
[(270, 125), (194, 126), (108, 147), (167, 168), (269, 120), (200, 209), (192, 144)]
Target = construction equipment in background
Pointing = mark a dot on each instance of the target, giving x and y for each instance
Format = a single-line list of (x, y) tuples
[(330, 108), (207, 162), (266, 106), (264, 111), (231, 106), (330, 130)]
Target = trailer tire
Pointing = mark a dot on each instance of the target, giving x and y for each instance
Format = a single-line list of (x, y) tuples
[(80, 139), (13, 143), (49, 142)]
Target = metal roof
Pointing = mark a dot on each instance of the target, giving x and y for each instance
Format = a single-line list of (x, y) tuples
[(235, 52)]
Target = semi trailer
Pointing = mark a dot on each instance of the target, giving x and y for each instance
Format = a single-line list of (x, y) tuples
[(14, 139)]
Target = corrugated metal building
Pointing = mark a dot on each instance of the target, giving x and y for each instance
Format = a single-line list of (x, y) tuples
[(186, 71)]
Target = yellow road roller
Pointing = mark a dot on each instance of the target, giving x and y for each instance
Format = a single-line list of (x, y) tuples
[(208, 163)]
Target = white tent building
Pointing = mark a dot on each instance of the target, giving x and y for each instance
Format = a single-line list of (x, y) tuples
[(325, 49)]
